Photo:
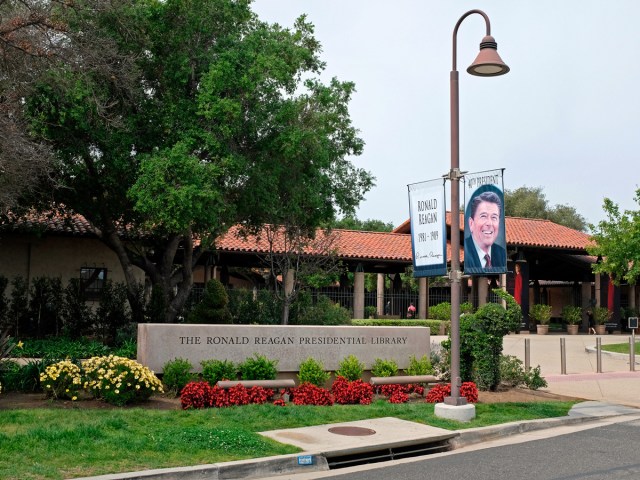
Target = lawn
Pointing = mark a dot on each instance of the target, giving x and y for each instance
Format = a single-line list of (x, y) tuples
[(621, 348), (54, 443)]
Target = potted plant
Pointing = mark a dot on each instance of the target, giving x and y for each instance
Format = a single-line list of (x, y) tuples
[(573, 316), (541, 314), (601, 315)]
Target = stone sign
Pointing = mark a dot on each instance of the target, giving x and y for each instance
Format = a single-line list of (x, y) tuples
[(290, 345)]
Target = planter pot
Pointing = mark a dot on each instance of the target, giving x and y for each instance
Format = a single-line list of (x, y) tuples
[(573, 329), (542, 329), (601, 329)]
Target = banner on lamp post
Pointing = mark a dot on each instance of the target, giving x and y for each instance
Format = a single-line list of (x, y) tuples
[(485, 244), (428, 228)]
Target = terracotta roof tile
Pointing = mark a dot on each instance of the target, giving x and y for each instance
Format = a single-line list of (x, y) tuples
[(530, 232)]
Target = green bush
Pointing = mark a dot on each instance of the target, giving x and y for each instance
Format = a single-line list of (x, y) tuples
[(384, 368), (324, 312), (466, 308), (62, 347), (177, 373), (442, 311), (350, 368), (213, 308), (419, 366), (9, 375), (215, 370), (112, 313), (370, 312), (258, 367), (533, 380), (511, 371), (434, 325), (312, 371), (264, 309)]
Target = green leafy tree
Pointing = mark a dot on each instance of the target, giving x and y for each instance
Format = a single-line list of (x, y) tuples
[(172, 120), (531, 202), (351, 222), (616, 242), (214, 305)]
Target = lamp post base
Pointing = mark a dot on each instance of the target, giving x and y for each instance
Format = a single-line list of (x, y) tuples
[(460, 413)]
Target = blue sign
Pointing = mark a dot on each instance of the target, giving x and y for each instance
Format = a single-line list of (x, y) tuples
[(305, 460)]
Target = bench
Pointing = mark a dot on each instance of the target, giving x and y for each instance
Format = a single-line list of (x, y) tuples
[(273, 384)]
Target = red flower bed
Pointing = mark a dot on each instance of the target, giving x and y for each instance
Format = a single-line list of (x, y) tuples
[(348, 393), (309, 394), (196, 395), (467, 389)]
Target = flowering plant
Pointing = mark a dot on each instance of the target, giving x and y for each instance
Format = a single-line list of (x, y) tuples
[(467, 389), (196, 395), (352, 392), (309, 394), (62, 380), (119, 380)]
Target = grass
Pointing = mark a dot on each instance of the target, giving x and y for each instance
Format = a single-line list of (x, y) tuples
[(621, 348), (54, 443)]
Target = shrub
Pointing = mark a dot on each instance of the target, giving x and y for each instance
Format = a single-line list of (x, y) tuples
[(62, 380), (511, 371), (396, 393), (442, 311), (213, 307), (323, 312), (215, 370), (421, 366), (62, 347), (438, 392), (177, 373), (309, 394), (312, 371), (260, 395), (533, 380), (370, 312), (350, 368), (540, 314), (119, 380), (9, 375), (347, 392), (384, 368), (258, 367), (196, 395)]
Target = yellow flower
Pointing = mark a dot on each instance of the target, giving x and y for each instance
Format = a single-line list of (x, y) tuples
[(74, 398), (20, 344)]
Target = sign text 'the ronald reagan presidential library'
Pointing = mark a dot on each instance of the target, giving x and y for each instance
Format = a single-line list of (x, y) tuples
[(290, 345)]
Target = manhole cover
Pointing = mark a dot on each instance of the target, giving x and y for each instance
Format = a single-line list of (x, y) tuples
[(352, 431)]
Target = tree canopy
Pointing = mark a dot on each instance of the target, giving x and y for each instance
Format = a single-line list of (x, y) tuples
[(617, 243), (350, 222), (531, 202), (172, 120)]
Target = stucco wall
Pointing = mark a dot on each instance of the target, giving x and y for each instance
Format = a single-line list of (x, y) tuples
[(32, 257)]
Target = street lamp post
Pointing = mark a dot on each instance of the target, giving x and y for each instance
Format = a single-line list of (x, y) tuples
[(487, 64)]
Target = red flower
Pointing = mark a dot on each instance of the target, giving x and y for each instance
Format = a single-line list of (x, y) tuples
[(196, 395), (309, 394), (347, 393), (467, 389)]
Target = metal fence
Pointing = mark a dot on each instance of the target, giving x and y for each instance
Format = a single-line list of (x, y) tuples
[(395, 302)]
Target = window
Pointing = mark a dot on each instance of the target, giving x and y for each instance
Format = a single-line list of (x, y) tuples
[(92, 280)]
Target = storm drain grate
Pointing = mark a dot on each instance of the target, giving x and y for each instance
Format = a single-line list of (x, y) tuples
[(389, 453)]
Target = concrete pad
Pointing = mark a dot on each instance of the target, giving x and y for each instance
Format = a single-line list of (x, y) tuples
[(388, 430), (459, 413)]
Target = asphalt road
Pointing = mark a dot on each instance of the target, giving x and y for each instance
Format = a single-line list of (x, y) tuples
[(608, 452)]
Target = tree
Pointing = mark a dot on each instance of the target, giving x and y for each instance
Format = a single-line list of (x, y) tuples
[(26, 46), (173, 120), (617, 243), (530, 202), (350, 222), (296, 255)]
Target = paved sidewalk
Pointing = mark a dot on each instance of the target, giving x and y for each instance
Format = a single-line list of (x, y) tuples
[(616, 384)]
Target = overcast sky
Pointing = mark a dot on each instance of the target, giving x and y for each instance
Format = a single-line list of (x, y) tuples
[(566, 118)]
